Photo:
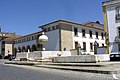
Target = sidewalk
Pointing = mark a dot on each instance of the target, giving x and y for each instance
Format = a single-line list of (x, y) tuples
[(100, 67)]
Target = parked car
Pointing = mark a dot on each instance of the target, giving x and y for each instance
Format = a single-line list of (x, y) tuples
[(114, 57), (7, 57), (10, 57)]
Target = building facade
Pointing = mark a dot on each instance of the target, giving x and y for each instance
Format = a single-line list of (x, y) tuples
[(64, 36), (27, 42), (6, 43), (111, 10)]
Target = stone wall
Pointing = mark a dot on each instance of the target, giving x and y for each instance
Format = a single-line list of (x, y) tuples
[(66, 37), (82, 59), (42, 55)]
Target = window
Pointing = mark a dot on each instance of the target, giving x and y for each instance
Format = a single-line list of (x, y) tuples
[(102, 35), (75, 31), (119, 32), (53, 28), (91, 46), (76, 45), (90, 32), (29, 38), (84, 45), (96, 35), (119, 47), (49, 29), (83, 32), (117, 13), (102, 45), (57, 26)]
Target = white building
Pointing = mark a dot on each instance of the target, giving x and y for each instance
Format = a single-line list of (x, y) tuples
[(111, 11), (65, 36), (27, 42)]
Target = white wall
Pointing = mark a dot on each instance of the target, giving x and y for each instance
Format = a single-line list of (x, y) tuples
[(112, 28), (8, 49), (88, 40), (53, 40)]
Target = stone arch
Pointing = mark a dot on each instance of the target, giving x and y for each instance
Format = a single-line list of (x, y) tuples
[(34, 47), (19, 49), (28, 47), (23, 49)]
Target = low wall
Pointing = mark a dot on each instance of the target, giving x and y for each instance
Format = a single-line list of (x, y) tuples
[(82, 58), (102, 57), (71, 59), (21, 55), (41, 55)]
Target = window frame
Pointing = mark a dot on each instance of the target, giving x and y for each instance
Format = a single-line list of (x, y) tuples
[(75, 31), (83, 32), (91, 47), (97, 34), (117, 13), (84, 46), (90, 33)]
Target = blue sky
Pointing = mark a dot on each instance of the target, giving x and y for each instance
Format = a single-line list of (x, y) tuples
[(24, 16)]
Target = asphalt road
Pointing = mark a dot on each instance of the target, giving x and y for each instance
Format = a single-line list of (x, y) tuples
[(20, 72)]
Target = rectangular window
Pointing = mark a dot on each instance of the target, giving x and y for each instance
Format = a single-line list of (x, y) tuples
[(119, 32), (90, 32), (102, 45), (84, 45), (96, 35), (76, 44), (91, 46), (117, 13), (75, 31), (102, 36), (83, 32)]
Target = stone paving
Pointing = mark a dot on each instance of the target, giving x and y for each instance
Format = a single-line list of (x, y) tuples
[(17, 72), (100, 67)]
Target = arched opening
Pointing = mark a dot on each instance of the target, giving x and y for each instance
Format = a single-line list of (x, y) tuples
[(34, 48), (23, 49), (28, 48), (19, 49)]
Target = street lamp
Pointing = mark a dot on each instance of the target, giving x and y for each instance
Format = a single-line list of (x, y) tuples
[(43, 39), (95, 47)]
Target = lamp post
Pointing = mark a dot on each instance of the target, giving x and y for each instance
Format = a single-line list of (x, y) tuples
[(43, 39), (95, 47)]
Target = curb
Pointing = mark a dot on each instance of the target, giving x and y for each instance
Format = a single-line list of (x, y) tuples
[(82, 70), (21, 63)]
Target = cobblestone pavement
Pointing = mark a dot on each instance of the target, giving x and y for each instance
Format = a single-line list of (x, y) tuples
[(21, 72)]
